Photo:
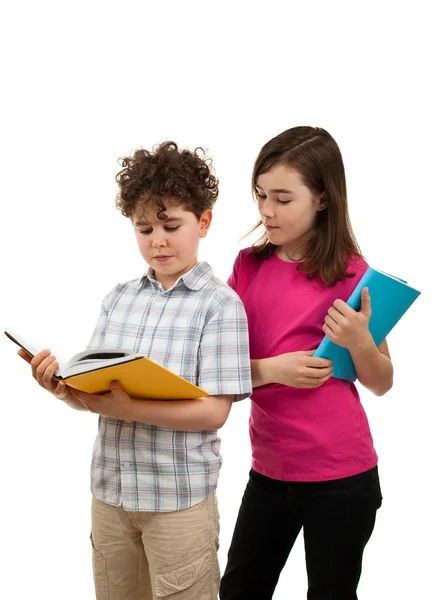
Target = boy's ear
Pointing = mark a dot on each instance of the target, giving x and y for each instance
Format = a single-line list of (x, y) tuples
[(205, 222)]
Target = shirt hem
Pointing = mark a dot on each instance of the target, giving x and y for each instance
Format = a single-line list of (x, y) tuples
[(302, 477), (154, 509)]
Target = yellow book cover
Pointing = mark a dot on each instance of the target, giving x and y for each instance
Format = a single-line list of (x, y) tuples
[(92, 371)]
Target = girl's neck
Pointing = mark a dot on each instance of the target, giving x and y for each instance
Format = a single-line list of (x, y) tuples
[(295, 251), (290, 255)]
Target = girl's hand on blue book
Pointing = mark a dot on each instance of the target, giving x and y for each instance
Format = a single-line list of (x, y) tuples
[(347, 327)]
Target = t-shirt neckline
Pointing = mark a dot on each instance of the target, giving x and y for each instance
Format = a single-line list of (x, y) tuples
[(287, 262)]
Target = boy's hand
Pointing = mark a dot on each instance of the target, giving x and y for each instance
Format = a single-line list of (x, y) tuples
[(348, 328), (44, 365), (301, 369), (116, 403)]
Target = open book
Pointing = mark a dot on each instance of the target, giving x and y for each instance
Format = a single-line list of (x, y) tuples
[(390, 298), (93, 370)]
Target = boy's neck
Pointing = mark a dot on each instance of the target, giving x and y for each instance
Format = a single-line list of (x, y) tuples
[(167, 281)]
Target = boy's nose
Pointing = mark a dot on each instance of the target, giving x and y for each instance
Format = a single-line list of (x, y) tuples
[(159, 242)]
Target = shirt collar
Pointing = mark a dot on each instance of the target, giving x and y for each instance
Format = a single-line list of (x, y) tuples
[(194, 279)]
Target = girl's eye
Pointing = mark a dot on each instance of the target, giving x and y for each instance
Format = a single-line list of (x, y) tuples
[(263, 197)]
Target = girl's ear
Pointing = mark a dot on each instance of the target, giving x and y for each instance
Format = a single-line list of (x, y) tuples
[(322, 202)]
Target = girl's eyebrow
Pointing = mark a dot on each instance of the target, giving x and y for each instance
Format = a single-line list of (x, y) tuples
[(277, 190)]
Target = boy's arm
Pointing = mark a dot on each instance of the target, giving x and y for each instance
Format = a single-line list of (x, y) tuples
[(208, 413), (223, 370), (223, 357)]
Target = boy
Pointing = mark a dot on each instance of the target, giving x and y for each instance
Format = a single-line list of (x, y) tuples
[(156, 463)]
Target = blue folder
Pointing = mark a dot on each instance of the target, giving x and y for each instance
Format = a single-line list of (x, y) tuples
[(390, 299)]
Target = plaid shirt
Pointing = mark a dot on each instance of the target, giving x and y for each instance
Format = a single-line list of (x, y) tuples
[(197, 329)]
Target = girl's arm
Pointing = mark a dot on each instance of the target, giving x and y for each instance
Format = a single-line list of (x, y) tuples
[(373, 366), (350, 329), (294, 369), (262, 372)]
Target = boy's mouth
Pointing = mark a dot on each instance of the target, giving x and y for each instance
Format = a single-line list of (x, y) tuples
[(162, 257)]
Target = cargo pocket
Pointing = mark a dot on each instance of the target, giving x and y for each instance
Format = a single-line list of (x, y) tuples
[(177, 580), (101, 580)]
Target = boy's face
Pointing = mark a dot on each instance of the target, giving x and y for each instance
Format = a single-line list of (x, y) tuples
[(169, 246)]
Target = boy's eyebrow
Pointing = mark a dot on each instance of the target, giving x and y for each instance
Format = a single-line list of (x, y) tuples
[(168, 220)]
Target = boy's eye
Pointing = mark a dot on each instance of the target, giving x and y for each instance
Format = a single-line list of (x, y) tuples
[(167, 228)]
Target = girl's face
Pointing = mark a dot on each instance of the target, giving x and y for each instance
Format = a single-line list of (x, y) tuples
[(288, 209)]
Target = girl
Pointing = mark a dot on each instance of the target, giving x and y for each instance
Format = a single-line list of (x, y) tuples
[(313, 460)]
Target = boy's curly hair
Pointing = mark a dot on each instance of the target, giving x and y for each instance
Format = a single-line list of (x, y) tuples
[(166, 173)]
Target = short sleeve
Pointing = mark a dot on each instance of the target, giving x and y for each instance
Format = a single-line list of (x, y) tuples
[(223, 358), (97, 337), (107, 305)]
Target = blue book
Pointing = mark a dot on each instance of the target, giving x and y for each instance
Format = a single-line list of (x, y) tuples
[(390, 299)]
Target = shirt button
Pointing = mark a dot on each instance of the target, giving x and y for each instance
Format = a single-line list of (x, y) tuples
[(126, 464)]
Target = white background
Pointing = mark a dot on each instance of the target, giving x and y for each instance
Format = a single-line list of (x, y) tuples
[(86, 82)]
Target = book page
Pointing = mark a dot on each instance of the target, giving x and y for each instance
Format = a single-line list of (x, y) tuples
[(96, 354), (84, 364), (30, 347)]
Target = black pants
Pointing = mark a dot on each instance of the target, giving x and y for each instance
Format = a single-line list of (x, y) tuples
[(337, 518)]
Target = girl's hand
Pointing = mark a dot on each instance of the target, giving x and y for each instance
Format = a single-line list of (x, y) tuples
[(301, 369), (348, 328)]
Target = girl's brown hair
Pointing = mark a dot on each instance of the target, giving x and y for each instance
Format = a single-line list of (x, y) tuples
[(166, 174), (314, 153)]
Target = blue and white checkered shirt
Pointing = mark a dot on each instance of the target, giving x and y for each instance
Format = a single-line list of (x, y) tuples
[(197, 329)]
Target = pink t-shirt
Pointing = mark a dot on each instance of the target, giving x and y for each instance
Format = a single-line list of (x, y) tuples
[(299, 434)]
